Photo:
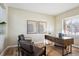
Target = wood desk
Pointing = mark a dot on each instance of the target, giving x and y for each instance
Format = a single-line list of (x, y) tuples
[(65, 43)]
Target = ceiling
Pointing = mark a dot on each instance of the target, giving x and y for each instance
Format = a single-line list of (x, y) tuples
[(45, 8)]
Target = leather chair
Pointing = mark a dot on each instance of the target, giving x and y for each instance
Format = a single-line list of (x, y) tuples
[(21, 38), (28, 48)]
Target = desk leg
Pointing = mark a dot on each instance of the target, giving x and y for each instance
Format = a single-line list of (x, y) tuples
[(62, 51), (45, 51), (70, 49)]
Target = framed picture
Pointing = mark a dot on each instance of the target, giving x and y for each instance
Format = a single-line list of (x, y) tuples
[(36, 27), (31, 27), (42, 27)]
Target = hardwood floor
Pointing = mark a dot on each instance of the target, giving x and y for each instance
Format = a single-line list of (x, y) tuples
[(11, 52), (56, 51), (50, 51)]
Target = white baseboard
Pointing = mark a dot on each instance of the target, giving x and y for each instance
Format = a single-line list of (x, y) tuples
[(38, 42), (75, 46), (2, 53)]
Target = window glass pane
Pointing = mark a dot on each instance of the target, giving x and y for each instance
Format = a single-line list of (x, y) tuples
[(71, 25)]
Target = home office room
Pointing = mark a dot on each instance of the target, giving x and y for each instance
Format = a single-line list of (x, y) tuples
[(39, 29)]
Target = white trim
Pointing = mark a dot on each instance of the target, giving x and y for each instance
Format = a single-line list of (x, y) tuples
[(2, 54), (75, 46)]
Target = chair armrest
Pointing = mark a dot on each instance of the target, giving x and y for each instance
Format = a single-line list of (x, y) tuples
[(39, 51)]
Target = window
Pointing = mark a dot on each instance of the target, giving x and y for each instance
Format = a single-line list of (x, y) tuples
[(2, 18), (2, 12), (71, 25)]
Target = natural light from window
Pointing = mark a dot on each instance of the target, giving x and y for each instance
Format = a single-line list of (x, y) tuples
[(71, 25)]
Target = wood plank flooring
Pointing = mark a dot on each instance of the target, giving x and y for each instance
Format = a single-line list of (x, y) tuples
[(50, 51), (56, 51), (13, 51)]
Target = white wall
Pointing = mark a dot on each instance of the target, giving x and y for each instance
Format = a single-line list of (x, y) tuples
[(60, 17), (17, 24)]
